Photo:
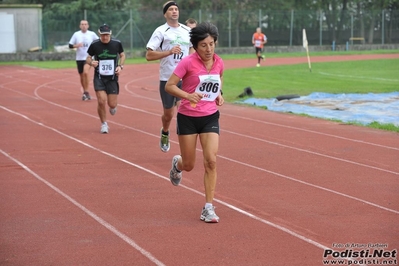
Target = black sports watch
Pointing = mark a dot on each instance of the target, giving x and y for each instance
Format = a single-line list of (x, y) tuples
[(121, 66)]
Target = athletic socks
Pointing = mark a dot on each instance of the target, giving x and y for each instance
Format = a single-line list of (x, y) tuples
[(208, 205)]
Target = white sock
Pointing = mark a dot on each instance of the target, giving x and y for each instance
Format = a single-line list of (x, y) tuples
[(208, 205)]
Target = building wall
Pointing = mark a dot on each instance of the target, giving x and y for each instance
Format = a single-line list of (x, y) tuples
[(27, 25)]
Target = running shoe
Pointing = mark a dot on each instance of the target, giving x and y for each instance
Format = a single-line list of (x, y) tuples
[(175, 175), (104, 128), (257, 65), (164, 142), (208, 215), (112, 111), (263, 57), (86, 96)]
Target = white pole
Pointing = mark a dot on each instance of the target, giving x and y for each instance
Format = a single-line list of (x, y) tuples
[(131, 30), (291, 25), (229, 28), (305, 45), (382, 28), (321, 27)]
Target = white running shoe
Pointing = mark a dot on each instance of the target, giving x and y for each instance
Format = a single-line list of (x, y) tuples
[(86, 96), (164, 143), (104, 128), (175, 175), (208, 215), (112, 111)]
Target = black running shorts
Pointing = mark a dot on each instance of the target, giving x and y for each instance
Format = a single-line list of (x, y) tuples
[(187, 125), (109, 85), (80, 64), (258, 50)]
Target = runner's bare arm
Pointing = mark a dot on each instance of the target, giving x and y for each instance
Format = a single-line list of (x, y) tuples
[(152, 55)]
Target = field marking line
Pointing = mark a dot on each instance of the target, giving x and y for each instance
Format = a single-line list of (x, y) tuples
[(356, 77)]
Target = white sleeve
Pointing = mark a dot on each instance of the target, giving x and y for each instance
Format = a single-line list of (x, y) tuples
[(155, 41), (73, 39)]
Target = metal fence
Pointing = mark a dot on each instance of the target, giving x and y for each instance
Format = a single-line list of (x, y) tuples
[(236, 27)]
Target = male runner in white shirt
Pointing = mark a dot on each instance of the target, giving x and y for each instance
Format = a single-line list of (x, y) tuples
[(81, 40), (169, 43)]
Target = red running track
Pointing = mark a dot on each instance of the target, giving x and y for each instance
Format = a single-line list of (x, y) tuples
[(289, 187)]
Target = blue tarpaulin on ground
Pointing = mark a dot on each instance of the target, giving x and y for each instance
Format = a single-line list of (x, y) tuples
[(361, 108)]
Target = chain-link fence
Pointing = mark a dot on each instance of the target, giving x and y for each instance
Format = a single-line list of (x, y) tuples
[(236, 27)]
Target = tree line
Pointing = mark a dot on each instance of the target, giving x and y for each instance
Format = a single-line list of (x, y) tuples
[(336, 13)]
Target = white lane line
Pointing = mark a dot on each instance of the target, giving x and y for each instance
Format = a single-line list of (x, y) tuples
[(111, 228)]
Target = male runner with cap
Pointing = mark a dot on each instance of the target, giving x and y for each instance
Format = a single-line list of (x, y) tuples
[(108, 61)]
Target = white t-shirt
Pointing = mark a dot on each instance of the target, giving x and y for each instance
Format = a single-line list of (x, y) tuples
[(85, 38), (164, 38)]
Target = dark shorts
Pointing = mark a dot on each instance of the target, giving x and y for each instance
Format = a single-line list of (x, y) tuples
[(107, 84), (168, 101), (258, 50), (80, 65), (188, 125)]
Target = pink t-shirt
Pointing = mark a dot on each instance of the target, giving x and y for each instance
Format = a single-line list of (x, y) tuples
[(191, 70)]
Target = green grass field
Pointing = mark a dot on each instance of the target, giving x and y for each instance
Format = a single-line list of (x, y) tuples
[(369, 76), (376, 76)]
